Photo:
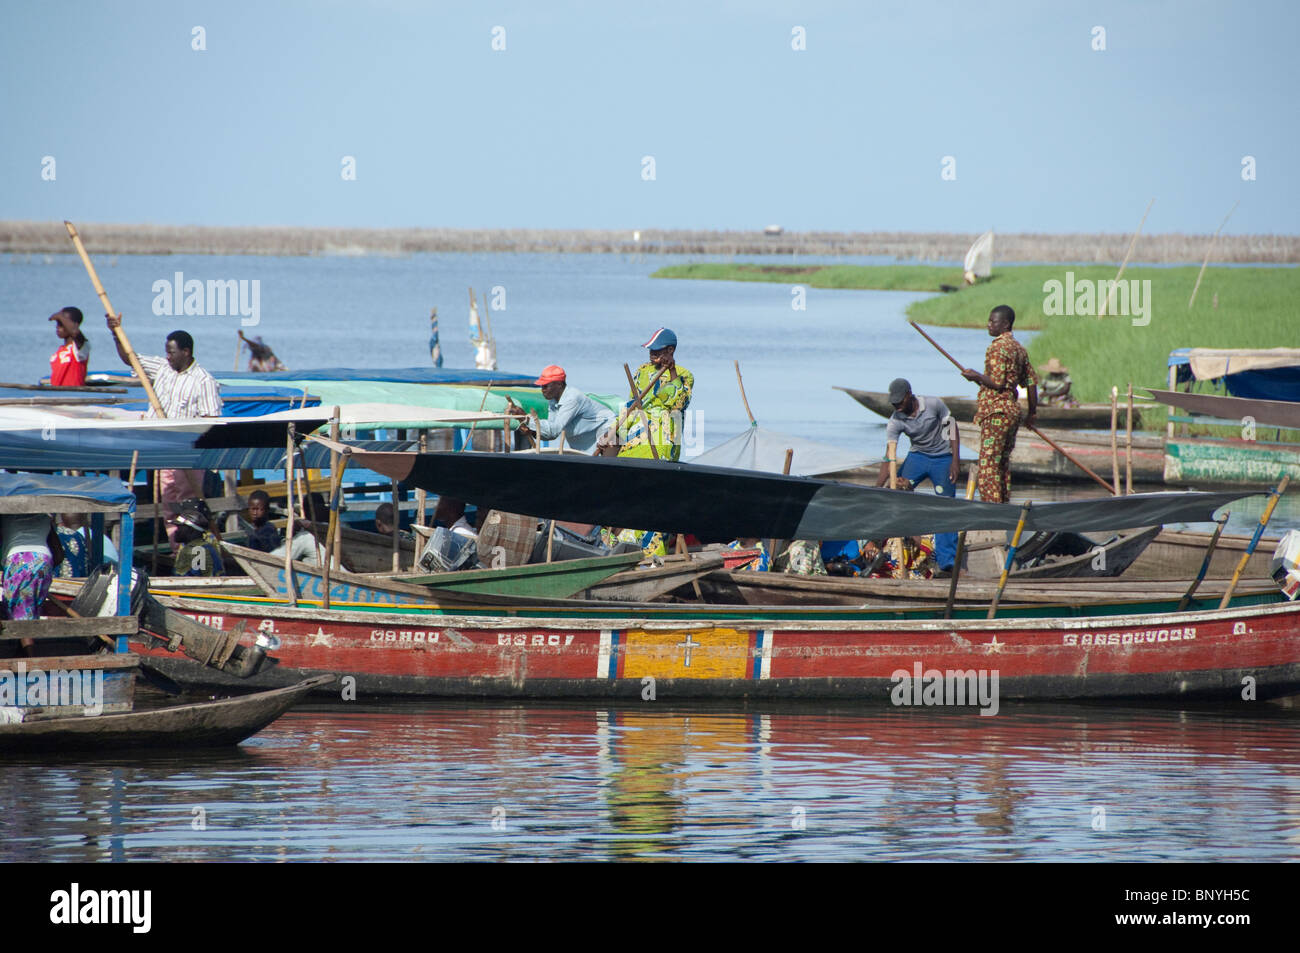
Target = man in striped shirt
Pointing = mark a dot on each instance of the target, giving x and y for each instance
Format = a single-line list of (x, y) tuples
[(184, 390)]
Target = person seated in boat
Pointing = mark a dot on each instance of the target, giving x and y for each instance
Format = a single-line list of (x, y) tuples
[(918, 558), (665, 403), (263, 536), (759, 563), (72, 533), (200, 554), (803, 557), (571, 412), (450, 513), (68, 364), (934, 454), (1055, 389), (652, 544)]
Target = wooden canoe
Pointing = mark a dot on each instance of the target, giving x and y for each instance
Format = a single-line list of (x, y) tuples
[(1205, 654), (1111, 559), (1178, 553), (554, 581), (650, 583), (1033, 459), (227, 721), (1085, 416)]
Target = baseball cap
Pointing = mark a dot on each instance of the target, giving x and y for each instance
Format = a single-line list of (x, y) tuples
[(661, 339), (550, 374), (899, 388)]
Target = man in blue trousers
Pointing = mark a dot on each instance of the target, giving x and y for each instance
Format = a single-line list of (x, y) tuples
[(934, 453)]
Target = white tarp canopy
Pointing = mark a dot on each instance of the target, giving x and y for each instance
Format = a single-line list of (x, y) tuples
[(758, 448), (1209, 363)]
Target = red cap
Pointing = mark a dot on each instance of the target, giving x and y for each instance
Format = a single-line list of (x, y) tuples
[(550, 375)]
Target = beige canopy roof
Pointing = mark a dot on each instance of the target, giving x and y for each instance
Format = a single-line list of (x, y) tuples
[(1209, 363)]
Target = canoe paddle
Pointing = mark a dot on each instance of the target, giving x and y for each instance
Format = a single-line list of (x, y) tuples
[(1048, 440)]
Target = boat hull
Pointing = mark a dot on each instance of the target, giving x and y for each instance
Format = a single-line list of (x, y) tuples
[(1084, 416), (1152, 656)]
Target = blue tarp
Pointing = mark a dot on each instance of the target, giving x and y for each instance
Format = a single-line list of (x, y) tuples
[(97, 489), (394, 375), (1271, 383)]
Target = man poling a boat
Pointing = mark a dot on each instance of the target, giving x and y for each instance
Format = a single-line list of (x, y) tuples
[(651, 424), (1006, 369), (934, 453), (572, 413)]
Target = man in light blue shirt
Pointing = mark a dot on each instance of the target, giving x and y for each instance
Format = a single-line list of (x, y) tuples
[(571, 413)]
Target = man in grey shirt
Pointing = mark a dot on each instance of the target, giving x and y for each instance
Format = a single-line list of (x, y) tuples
[(934, 454), (571, 412)]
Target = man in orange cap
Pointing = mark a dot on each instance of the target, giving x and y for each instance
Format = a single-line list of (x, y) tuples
[(571, 412)]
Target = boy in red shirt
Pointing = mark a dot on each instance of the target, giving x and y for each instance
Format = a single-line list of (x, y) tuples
[(68, 363)]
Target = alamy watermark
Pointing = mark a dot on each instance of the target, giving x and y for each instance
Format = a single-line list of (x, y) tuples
[(79, 688), (215, 297), (1086, 296), (955, 687)]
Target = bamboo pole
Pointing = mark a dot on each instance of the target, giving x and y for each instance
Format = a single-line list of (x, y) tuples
[(636, 400), (1011, 555), (421, 496), (961, 550), (331, 527), (290, 585), (337, 504), (895, 543), (1254, 540), (1105, 305), (1173, 385), (119, 332), (157, 515), (1128, 444), (1210, 248), (636, 405), (1205, 564), (741, 381), (469, 439), (397, 522), (1114, 444)]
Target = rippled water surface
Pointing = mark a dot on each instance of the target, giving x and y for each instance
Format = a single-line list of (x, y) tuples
[(505, 782)]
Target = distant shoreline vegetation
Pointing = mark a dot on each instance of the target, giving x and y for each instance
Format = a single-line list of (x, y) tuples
[(50, 237), (1237, 307)]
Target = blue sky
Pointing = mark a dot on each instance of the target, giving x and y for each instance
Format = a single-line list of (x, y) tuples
[(1047, 133)]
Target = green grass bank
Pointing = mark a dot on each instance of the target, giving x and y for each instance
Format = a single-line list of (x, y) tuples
[(1235, 307)]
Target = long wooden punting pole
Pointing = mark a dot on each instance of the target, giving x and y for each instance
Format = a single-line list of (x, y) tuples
[(636, 403), (961, 549), (640, 409), (1254, 540), (1209, 248), (1205, 565), (741, 381), (896, 543), (292, 587), (1011, 555), (119, 332), (1048, 440), (1105, 304)]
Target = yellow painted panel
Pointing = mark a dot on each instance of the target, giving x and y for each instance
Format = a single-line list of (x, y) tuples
[(698, 653)]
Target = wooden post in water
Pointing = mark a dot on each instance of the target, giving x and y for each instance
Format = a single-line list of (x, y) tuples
[(290, 585), (1169, 411), (157, 513), (1114, 449), (397, 522), (1128, 444)]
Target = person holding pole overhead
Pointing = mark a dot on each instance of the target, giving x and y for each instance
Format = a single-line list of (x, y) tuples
[(997, 411), (934, 454), (661, 392)]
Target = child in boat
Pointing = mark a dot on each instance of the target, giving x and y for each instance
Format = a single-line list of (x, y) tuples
[(68, 364), (263, 536)]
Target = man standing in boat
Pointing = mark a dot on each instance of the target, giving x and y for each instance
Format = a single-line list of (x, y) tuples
[(665, 402), (1006, 369), (571, 412), (185, 390), (934, 454)]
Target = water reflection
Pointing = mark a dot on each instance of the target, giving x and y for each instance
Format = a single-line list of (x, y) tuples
[(514, 782)]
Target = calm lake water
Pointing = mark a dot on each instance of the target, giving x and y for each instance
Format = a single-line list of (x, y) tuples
[(428, 781), (505, 782)]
